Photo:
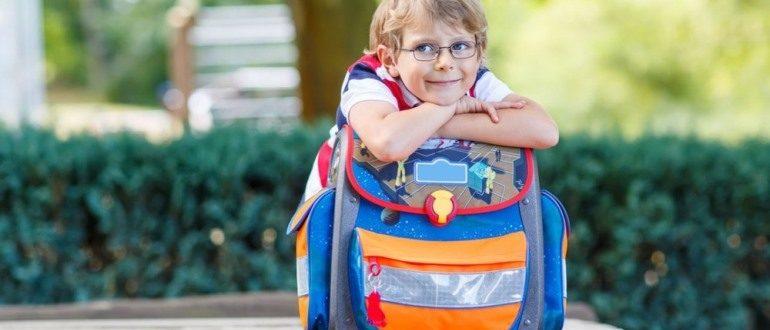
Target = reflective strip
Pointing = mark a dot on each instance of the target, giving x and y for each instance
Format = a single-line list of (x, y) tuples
[(449, 290), (302, 278), (564, 276)]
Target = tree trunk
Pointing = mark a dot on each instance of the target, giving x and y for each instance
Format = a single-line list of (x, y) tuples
[(331, 34), (96, 67)]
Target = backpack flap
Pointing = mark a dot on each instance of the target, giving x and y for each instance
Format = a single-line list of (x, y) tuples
[(303, 210), (442, 178)]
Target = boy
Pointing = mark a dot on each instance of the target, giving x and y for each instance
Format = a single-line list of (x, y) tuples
[(426, 56)]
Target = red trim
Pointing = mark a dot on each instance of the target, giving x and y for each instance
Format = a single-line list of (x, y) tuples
[(419, 210), (324, 158), (373, 63)]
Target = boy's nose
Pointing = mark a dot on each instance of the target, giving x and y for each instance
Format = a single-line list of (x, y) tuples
[(445, 61)]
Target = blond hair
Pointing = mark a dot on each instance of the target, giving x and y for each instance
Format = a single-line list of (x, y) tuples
[(392, 16)]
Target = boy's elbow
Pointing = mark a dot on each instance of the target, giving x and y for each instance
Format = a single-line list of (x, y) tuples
[(384, 156), (550, 141), (386, 150), (549, 138)]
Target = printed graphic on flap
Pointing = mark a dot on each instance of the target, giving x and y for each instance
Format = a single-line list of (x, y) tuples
[(480, 176)]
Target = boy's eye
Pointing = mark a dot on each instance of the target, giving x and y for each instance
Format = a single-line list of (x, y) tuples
[(460, 46), (426, 48)]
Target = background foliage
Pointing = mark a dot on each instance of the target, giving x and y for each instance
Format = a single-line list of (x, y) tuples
[(695, 66), (667, 232), (117, 48)]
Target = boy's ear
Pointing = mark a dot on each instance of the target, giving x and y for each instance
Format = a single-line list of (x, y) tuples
[(388, 59)]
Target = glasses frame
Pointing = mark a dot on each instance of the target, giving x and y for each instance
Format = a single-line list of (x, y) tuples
[(438, 52)]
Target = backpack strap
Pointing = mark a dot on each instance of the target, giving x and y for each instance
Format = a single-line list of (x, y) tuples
[(345, 211), (531, 313)]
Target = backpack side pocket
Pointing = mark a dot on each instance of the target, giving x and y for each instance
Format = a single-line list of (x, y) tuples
[(556, 233), (313, 224)]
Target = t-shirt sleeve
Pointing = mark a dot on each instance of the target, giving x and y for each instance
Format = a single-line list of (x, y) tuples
[(489, 88), (363, 84)]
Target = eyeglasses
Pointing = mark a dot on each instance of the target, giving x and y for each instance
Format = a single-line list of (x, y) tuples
[(429, 52)]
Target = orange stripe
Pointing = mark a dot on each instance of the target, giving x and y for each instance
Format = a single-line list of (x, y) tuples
[(304, 301), (502, 249), (410, 317), (564, 242), (451, 268), (301, 248)]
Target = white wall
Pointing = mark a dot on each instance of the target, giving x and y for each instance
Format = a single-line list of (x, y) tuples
[(22, 87)]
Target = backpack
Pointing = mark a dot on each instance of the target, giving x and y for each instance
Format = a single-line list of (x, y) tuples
[(459, 235)]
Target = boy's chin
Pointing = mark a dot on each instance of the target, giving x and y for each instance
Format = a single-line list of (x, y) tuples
[(444, 100)]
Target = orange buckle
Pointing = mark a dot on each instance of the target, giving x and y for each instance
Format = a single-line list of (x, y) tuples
[(441, 207)]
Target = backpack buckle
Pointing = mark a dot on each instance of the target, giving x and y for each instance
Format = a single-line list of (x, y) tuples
[(441, 207)]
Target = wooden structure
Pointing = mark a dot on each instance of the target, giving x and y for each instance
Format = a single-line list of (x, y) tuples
[(232, 63)]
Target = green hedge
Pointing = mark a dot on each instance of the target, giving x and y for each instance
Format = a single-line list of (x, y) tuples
[(120, 217), (666, 232)]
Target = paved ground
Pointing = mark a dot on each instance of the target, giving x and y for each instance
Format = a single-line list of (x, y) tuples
[(266, 310), (206, 324)]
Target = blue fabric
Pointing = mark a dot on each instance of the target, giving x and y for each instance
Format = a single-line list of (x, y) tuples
[(554, 229), (319, 260), (462, 227), (482, 71), (356, 283)]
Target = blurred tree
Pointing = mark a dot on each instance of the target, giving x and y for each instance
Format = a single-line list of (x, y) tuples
[(63, 43), (330, 36), (117, 48), (687, 67)]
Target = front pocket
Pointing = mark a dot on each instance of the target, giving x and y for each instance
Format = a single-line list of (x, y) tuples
[(437, 284)]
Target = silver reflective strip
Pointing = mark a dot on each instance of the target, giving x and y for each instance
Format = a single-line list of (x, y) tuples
[(564, 276), (449, 290), (302, 280)]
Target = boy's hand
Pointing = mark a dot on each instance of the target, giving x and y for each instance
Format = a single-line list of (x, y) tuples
[(468, 104)]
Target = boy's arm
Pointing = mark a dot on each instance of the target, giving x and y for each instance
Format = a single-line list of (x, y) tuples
[(392, 135), (529, 127)]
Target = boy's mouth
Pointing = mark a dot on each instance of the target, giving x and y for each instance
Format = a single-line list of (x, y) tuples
[(443, 82)]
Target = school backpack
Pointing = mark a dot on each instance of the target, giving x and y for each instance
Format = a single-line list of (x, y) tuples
[(457, 236)]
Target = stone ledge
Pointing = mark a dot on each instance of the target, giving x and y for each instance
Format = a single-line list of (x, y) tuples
[(232, 309), (205, 324)]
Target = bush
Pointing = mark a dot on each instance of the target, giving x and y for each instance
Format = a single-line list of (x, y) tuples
[(666, 232), (120, 217)]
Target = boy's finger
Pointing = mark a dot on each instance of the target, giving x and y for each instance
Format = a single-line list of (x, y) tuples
[(479, 106), (502, 104), (519, 104), (492, 113), (509, 104)]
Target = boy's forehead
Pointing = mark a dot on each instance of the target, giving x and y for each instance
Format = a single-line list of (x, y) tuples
[(434, 30)]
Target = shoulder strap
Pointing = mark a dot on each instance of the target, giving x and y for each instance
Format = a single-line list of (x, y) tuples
[(345, 211), (531, 312)]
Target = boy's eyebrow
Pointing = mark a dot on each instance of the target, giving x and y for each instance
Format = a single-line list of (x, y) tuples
[(425, 39)]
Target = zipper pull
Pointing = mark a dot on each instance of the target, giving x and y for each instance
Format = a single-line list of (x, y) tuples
[(373, 309)]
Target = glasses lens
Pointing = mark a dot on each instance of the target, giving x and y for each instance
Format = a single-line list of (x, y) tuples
[(423, 56), (426, 52), (462, 49)]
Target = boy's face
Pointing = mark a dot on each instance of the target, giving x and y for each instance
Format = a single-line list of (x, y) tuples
[(443, 80)]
